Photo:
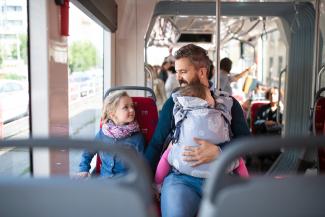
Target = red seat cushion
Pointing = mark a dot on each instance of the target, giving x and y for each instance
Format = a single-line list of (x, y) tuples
[(319, 124), (253, 113), (319, 116), (146, 115)]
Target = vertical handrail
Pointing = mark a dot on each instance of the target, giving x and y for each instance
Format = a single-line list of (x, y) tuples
[(319, 76), (279, 95), (316, 51), (217, 75), (147, 70), (145, 63)]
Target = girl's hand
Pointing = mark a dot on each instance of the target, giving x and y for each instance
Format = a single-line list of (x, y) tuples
[(204, 153), (83, 174)]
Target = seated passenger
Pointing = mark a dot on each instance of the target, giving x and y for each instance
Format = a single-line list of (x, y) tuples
[(163, 75), (119, 127), (171, 82), (266, 122), (198, 115), (181, 194)]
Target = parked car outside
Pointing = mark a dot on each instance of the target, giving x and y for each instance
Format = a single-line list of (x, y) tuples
[(14, 100), (84, 83)]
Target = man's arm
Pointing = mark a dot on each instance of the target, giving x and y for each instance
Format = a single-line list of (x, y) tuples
[(164, 126), (239, 125), (243, 73)]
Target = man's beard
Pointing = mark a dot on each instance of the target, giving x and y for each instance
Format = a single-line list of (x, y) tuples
[(195, 80)]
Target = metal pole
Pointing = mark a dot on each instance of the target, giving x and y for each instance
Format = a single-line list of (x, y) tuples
[(217, 74), (279, 95), (148, 71), (316, 51), (319, 76), (145, 64)]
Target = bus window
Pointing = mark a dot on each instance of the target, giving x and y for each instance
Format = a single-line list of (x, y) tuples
[(14, 90), (85, 78)]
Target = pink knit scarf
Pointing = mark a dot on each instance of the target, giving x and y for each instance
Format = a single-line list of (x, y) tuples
[(120, 131)]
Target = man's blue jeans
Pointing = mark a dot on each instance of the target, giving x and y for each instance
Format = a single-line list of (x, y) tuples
[(181, 195)]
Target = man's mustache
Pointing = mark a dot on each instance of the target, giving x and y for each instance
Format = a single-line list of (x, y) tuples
[(182, 82)]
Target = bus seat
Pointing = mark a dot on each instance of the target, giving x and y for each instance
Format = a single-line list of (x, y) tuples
[(60, 197), (64, 196), (319, 116), (266, 196), (319, 125), (269, 197), (321, 154), (146, 114), (253, 113)]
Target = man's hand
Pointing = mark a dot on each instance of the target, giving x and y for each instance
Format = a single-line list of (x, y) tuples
[(204, 153)]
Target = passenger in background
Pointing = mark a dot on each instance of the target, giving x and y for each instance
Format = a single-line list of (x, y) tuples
[(163, 75), (226, 78), (170, 58), (119, 127), (266, 122), (158, 87), (171, 82), (258, 94), (181, 194)]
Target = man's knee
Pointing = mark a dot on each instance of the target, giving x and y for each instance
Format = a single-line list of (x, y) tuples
[(178, 200)]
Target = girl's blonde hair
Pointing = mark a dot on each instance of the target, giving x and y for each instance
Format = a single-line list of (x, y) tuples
[(110, 104)]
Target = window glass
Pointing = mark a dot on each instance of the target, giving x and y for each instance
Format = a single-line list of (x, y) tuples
[(85, 78), (14, 93)]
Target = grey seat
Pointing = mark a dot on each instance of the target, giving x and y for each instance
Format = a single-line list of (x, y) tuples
[(129, 195), (287, 196)]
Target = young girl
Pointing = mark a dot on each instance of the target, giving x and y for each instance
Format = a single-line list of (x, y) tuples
[(119, 127), (197, 114)]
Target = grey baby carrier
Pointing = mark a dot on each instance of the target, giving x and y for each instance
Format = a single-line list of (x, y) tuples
[(194, 118)]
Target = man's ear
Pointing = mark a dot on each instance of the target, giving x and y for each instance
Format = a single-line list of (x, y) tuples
[(203, 73)]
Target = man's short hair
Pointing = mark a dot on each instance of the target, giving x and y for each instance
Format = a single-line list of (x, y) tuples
[(226, 64), (198, 57)]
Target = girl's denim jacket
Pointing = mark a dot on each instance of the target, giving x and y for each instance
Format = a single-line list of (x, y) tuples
[(111, 164)]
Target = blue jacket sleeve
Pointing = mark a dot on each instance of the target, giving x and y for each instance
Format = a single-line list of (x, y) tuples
[(86, 158), (164, 126), (140, 144)]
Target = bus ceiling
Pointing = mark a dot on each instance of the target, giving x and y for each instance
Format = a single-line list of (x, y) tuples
[(189, 21)]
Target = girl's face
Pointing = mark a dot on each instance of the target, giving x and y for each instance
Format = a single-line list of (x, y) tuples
[(124, 112)]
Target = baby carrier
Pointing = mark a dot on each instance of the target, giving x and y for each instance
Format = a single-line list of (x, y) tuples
[(194, 118)]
